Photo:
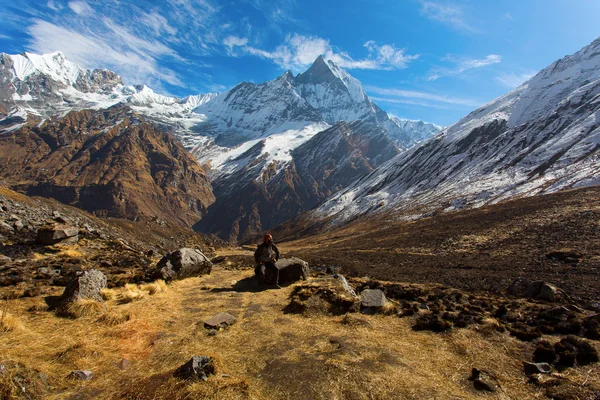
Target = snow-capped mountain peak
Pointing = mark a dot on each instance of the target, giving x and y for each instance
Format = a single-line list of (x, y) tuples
[(54, 65)]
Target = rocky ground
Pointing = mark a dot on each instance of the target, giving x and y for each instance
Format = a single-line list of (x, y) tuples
[(357, 337), (553, 238)]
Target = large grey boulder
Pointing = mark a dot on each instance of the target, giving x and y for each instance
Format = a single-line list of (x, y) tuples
[(183, 263), (54, 233), (86, 285), (372, 300), (290, 270)]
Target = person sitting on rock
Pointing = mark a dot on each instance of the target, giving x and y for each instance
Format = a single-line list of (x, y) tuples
[(266, 255)]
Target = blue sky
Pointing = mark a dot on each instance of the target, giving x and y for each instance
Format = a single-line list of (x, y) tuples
[(421, 59)]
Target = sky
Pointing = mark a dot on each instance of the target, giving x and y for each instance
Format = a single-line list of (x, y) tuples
[(434, 60)]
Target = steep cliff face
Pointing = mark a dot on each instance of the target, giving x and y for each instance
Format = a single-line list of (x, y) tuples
[(110, 162), (262, 193)]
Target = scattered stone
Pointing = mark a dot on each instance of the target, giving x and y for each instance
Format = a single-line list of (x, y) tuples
[(220, 321), (18, 225), (566, 256), (536, 368), (372, 300), (82, 375), (481, 381), (52, 234), (124, 364), (198, 368), (183, 263), (5, 228), (86, 285), (345, 284)]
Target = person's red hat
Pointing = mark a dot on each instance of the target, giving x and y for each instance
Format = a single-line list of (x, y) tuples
[(267, 236)]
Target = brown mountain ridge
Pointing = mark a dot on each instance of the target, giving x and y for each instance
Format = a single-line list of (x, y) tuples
[(109, 162)]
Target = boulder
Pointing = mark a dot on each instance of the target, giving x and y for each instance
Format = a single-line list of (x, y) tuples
[(183, 263), (290, 270), (52, 234), (198, 368), (371, 300), (220, 320), (538, 290), (86, 285), (519, 287)]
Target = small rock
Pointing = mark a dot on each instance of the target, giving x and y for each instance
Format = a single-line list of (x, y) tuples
[(566, 256), (124, 364), (212, 332), (345, 284), (199, 367), (481, 381), (219, 321), (6, 228), (17, 225), (536, 368), (82, 375)]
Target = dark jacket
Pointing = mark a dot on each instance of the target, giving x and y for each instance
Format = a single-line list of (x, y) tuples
[(265, 252)]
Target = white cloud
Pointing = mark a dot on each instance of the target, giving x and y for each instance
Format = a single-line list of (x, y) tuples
[(462, 65), (53, 6), (135, 64), (512, 80), (508, 16), (80, 7), (298, 52), (234, 41), (449, 14), (389, 55), (418, 98)]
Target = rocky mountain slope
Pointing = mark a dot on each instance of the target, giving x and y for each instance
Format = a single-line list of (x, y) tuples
[(261, 193), (247, 136), (110, 162), (542, 137)]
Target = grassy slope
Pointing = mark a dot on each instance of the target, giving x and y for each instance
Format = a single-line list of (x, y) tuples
[(266, 355)]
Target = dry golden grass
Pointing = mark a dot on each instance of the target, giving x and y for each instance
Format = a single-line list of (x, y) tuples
[(266, 355), (9, 322), (115, 317), (132, 293), (82, 308), (155, 287), (108, 294)]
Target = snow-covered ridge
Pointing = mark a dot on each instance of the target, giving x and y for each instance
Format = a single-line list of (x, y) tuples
[(542, 137), (54, 65)]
